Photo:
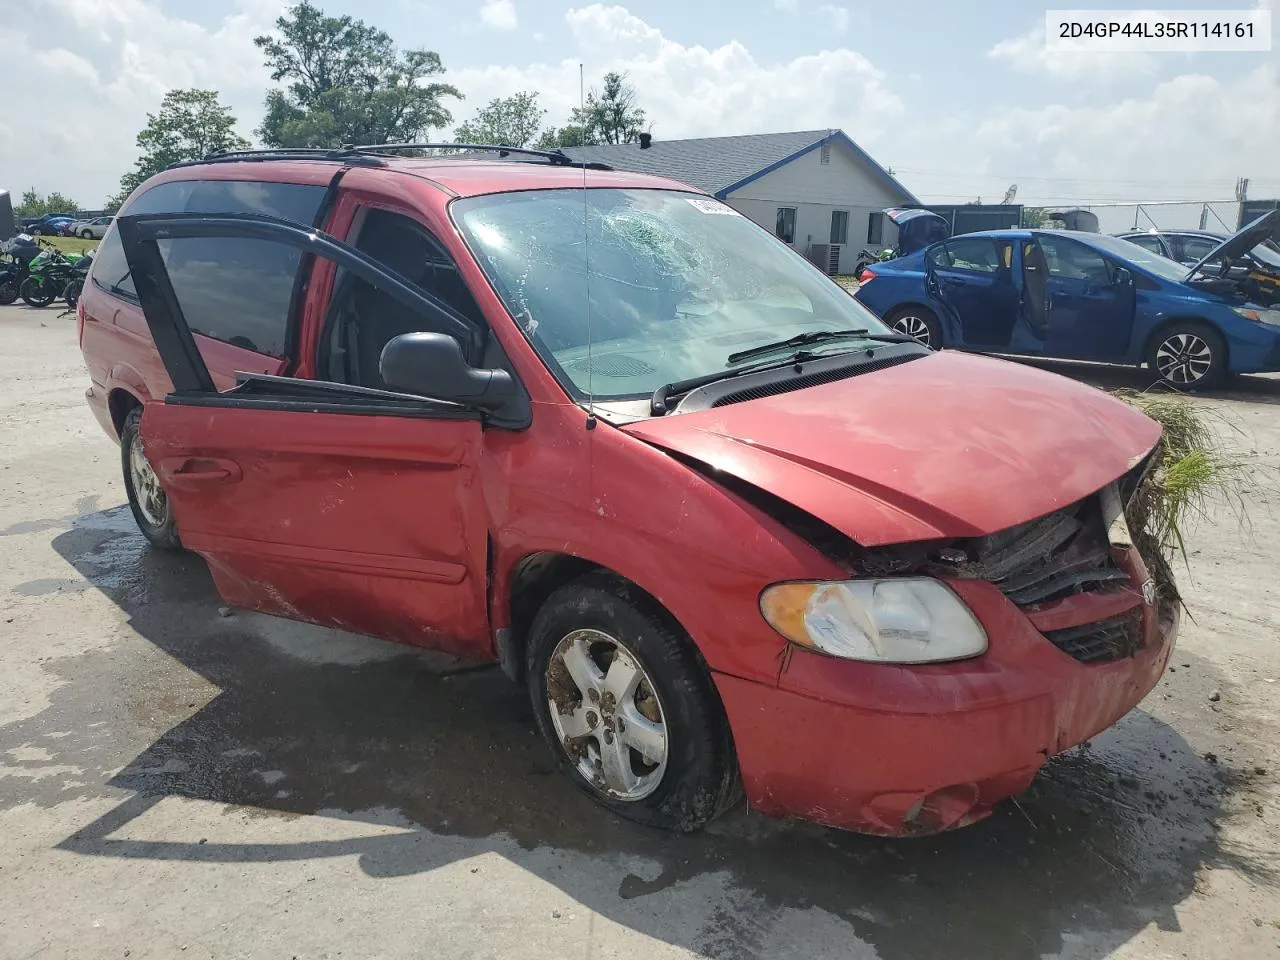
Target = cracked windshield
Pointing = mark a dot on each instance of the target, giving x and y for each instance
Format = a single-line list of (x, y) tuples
[(622, 291)]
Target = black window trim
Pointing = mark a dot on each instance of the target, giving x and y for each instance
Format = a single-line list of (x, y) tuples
[(139, 235)]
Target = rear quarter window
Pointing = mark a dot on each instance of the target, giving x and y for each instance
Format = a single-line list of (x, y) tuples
[(235, 290)]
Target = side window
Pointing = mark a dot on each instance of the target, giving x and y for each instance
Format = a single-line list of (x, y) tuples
[(979, 254), (875, 228), (1148, 242), (839, 226), (362, 320), (1195, 249), (239, 291), (785, 229), (1074, 261)]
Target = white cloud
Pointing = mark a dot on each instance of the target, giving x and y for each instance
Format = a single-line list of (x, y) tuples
[(692, 91), (1029, 53), (499, 14), (837, 17), (787, 6), (110, 65)]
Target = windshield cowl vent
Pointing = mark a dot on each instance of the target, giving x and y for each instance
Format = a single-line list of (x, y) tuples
[(787, 384)]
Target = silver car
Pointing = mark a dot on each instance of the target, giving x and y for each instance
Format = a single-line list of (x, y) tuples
[(90, 229)]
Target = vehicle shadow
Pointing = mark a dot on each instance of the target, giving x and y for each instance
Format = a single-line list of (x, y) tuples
[(1248, 388), (289, 719)]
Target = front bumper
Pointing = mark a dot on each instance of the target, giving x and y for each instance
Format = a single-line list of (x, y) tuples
[(911, 750)]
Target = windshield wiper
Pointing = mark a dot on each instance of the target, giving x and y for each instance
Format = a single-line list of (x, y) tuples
[(817, 336), (658, 403)]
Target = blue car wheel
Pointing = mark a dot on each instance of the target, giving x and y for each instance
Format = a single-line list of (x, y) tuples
[(1188, 356)]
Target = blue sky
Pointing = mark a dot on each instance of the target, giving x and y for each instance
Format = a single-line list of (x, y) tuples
[(960, 99)]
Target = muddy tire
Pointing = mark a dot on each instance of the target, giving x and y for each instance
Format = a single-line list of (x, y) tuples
[(1188, 356), (918, 322), (151, 509), (628, 707)]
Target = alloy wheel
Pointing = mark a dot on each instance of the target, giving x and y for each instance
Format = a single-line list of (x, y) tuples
[(1183, 358), (607, 715), (146, 486), (915, 327)]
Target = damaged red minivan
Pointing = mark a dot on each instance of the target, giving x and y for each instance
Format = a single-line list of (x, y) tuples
[(732, 533)]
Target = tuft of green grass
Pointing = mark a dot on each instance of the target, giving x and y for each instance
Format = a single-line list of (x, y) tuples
[(1193, 471), (72, 244)]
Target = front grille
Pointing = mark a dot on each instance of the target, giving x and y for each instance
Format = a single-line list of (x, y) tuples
[(1100, 642), (1064, 553)]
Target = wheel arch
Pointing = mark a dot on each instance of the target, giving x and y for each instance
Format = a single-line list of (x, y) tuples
[(120, 402), (939, 316)]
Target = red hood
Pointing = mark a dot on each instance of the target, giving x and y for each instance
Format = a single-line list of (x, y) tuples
[(951, 445)]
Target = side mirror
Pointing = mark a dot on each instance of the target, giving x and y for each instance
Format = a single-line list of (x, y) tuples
[(1122, 277), (432, 365)]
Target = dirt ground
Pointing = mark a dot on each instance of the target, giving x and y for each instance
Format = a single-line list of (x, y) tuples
[(176, 782)]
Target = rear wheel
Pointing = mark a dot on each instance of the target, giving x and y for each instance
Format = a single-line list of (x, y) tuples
[(1188, 356), (71, 293), (628, 707), (150, 506), (918, 322), (35, 293), (86, 234), (8, 292)]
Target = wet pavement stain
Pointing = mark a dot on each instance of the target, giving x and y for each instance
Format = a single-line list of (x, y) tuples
[(1109, 837)]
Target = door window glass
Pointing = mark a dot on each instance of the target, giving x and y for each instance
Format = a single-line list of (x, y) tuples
[(785, 230), (1148, 242), (1195, 249), (1074, 261), (979, 254), (839, 226), (362, 319)]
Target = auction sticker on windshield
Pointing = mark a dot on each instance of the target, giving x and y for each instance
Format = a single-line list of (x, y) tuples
[(1159, 31), (711, 206)]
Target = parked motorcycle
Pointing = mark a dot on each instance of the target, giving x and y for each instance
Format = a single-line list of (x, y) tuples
[(71, 292), (50, 272), (15, 259), (868, 257)]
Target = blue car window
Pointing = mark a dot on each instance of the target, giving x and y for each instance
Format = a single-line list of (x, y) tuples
[(979, 254), (1074, 261)]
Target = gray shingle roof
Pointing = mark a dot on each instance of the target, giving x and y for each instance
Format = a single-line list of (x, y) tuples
[(710, 163)]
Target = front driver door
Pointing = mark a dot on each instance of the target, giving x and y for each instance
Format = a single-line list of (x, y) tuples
[(342, 505), (1090, 301), (973, 278)]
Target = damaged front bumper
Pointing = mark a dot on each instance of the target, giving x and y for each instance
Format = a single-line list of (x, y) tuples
[(897, 750)]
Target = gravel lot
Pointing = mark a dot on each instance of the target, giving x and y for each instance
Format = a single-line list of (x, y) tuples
[(176, 782)]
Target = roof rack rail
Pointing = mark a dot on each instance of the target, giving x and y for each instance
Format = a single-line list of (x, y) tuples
[(556, 157), (341, 155)]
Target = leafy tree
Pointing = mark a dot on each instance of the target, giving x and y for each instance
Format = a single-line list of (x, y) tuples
[(189, 125), (612, 115), (1035, 217), (512, 121), (570, 135), (34, 204), (347, 83)]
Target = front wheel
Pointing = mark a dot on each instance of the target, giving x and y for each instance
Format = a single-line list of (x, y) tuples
[(150, 506), (628, 707), (1188, 356), (36, 293), (86, 234), (918, 323), (71, 293)]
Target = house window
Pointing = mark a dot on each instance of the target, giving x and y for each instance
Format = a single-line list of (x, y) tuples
[(824, 154), (786, 228), (875, 228), (839, 226)]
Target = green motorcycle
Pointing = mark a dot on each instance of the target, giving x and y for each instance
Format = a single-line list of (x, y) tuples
[(50, 272)]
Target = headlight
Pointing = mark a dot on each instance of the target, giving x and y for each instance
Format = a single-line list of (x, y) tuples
[(896, 620), (1259, 315)]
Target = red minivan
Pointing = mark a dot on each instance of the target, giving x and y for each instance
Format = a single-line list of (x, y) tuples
[(732, 533)]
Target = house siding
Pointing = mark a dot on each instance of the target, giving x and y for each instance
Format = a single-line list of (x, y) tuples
[(816, 189)]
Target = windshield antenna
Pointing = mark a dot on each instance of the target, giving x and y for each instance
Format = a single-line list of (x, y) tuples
[(586, 262)]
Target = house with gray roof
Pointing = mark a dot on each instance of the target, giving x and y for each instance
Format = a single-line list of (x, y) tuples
[(815, 189)]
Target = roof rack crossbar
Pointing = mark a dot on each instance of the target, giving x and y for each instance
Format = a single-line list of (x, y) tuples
[(556, 157), (343, 155)]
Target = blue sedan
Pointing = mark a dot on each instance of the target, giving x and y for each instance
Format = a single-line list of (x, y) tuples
[(1084, 296)]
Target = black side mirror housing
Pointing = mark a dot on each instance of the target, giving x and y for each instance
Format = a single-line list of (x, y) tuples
[(1123, 277), (432, 365)]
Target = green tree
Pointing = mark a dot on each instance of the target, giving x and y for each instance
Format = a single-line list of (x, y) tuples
[(570, 135), (346, 83), (35, 204), (512, 121), (611, 116), (1035, 217), (189, 125)]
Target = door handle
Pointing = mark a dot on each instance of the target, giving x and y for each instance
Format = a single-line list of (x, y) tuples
[(183, 471)]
